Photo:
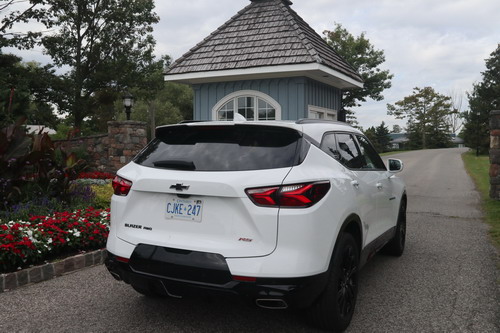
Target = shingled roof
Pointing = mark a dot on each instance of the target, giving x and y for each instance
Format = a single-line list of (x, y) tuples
[(266, 39)]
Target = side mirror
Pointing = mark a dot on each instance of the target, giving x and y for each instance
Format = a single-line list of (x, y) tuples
[(395, 165)]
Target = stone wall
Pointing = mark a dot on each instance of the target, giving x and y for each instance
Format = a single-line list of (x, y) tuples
[(109, 152), (125, 140), (495, 155), (95, 149)]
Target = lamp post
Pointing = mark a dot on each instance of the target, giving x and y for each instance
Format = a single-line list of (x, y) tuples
[(128, 102)]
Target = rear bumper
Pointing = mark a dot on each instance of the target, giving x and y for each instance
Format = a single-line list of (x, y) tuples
[(178, 274)]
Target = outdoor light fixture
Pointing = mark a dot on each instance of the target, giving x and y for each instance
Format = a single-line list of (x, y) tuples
[(128, 102)]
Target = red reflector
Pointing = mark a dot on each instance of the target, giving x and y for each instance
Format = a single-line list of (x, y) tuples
[(244, 278), (121, 259), (121, 186)]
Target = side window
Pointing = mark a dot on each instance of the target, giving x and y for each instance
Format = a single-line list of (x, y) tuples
[(348, 150), (329, 146), (371, 159)]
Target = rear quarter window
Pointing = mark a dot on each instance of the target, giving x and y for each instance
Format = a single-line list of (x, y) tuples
[(222, 148)]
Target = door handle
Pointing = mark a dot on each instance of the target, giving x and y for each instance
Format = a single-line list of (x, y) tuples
[(355, 183), (379, 186)]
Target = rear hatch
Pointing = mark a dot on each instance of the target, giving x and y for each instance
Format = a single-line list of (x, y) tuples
[(188, 188)]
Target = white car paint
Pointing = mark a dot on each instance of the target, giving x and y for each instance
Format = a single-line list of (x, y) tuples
[(257, 241)]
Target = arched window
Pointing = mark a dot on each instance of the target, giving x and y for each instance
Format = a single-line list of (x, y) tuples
[(251, 104)]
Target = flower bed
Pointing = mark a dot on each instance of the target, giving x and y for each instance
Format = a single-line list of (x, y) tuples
[(24, 243), (94, 178), (96, 175)]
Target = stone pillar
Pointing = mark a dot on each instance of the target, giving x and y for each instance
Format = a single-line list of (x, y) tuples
[(125, 140), (495, 155)]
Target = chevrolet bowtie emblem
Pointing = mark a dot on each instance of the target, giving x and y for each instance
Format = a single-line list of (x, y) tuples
[(180, 187)]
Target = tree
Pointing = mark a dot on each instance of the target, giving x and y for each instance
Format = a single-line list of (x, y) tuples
[(454, 119), (33, 11), (372, 136), (426, 112), (106, 45), (396, 129), (485, 96), (172, 104), (383, 137), (26, 90), (379, 137), (152, 84), (364, 58)]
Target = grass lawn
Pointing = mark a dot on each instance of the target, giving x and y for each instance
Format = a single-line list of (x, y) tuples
[(478, 168)]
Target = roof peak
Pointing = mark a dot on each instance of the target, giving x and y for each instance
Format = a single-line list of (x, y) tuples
[(264, 35), (286, 2)]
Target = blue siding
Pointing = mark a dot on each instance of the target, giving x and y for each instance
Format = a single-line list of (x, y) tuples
[(294, 95), (322, 95), (197, 103)]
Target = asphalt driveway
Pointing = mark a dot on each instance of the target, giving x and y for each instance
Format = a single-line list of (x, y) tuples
[(446, 281)]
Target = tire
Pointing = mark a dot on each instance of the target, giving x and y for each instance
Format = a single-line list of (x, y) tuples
[(396, 246), (335, 306)]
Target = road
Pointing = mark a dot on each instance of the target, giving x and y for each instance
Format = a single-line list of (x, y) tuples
[(446, 281)]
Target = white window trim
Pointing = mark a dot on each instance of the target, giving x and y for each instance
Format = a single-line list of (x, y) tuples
[(324, 111), (248, 93)]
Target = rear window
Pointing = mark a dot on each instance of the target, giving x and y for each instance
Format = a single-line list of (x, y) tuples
[(222, 148)]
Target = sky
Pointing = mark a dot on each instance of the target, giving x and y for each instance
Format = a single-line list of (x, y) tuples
[(437, 43)]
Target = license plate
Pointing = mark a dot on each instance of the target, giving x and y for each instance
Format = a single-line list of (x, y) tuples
[(184, 209)]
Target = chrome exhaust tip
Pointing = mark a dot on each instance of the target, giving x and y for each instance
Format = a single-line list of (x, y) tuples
[(271, 303)]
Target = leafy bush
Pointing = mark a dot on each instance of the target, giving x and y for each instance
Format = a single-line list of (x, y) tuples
[(103, 195), (23, 243), (29, 169)]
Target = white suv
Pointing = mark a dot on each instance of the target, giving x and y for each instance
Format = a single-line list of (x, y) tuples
[(283, 213)]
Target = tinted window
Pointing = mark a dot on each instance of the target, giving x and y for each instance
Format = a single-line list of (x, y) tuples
[(348, 150), (222, 148), (329, 146), (372, 160)]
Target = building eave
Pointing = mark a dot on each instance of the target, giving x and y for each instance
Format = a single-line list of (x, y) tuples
[(314, 71)]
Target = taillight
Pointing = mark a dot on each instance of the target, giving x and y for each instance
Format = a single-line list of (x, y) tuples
[(121, 186), (265, 196), (289, 196)]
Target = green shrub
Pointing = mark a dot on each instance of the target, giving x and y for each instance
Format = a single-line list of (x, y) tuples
[(103, 195), (29, 169)]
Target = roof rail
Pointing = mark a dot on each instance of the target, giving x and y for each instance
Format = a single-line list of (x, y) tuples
[(319, 121), (191, 121)]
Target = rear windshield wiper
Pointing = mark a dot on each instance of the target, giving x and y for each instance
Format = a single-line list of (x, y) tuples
[(175, 164)]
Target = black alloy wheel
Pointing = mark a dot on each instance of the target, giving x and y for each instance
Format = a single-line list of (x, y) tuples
[(347, 284), (397, 245), (335, 307)]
